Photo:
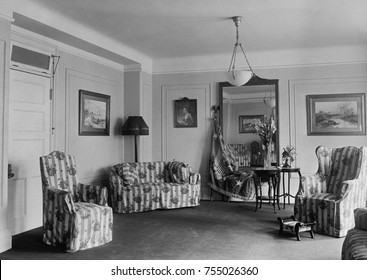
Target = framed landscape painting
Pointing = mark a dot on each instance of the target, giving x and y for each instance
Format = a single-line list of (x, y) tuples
[(336, 114), (246, 123), (94, 113)]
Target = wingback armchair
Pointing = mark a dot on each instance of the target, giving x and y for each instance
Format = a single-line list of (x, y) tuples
[(75, 216), (330, 196)]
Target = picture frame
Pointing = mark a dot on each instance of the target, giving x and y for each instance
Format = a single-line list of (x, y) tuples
[(336, 114), (185, 113), (94, 113), (245, 123)]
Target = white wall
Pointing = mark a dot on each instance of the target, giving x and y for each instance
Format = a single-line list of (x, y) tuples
[(294, 84), (94, 154), (183, 142)]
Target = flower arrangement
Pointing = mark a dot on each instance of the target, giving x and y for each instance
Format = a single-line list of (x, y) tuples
[(288, 154), (265, 129)]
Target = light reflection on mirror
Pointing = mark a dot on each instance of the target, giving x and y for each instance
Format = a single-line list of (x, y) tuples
[(245, 101), (240, 107)]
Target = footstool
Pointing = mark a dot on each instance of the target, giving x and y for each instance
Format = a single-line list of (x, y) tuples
[(290, 223)]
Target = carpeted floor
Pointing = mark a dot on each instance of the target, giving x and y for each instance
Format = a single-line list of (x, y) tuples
[(213, 231)]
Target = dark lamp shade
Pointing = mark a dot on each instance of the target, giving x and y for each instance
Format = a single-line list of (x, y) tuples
[(135, 125)]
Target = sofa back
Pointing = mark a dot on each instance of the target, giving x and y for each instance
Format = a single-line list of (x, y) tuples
[(58, 170), (152, 172)]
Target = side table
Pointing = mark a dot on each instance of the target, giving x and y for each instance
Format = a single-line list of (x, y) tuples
[(272, 176), (289, 170)]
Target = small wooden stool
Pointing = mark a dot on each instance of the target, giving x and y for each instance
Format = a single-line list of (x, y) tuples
[(290, 223)]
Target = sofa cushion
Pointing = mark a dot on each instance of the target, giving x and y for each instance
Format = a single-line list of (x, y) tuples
[(178, 172), (128, 173)]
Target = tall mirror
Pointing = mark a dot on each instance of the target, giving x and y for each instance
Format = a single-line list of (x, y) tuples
[(240, 107)]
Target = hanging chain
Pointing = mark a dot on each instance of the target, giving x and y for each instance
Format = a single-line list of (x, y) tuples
[(232, 67)]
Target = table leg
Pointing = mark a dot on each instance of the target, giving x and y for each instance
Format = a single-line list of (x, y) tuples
[(278, 187), (256, 192), (275, 184), (297, 231), (289, 188), (261, 193), (283, 191)]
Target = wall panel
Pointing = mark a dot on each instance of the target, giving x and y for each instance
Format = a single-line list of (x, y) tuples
[(188, 144)]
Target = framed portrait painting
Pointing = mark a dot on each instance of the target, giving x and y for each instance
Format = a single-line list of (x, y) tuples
[(94, 113), (336, 114), (246, 123), (185, 113)]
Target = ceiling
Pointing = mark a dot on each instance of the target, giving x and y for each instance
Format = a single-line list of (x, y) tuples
[(181, 28)]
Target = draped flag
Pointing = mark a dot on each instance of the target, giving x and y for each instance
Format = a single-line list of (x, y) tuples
[(224, 177)]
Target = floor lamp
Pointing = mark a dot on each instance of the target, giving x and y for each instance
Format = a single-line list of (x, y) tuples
[(135, 125)]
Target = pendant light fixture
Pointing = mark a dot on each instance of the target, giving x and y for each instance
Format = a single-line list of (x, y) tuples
[(238, 77), (270, 100)]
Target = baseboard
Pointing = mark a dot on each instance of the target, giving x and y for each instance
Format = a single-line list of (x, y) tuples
[(5, 240)]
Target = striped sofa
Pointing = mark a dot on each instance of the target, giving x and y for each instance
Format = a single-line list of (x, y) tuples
[(355, 243), (145, 186), (339, 186), (75, 216)]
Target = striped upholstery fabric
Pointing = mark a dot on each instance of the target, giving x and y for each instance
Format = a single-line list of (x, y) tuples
[(178, 172), (242, 156), (154, 188), (360, 218), (355, 243), (75, 216), (338, 187)]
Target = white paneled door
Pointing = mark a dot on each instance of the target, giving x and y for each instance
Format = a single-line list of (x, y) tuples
[(29, 138)]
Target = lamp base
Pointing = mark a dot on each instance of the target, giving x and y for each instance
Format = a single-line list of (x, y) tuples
[(136, 148)]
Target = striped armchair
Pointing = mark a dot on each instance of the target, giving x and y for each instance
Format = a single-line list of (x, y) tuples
[(75, 216), (339, 186)]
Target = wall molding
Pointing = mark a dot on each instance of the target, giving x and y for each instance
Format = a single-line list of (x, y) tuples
[(293, 88), (275, 59), (59, 46), (69, 74), (206, 88), (6, 13)]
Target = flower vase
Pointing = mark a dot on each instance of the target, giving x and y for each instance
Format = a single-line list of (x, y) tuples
[(286, 162), (267, 155)]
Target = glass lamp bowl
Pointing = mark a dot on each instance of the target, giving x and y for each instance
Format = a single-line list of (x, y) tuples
[(239, 77)]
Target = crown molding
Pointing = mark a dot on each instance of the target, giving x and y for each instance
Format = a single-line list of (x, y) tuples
[(6, 14), (51, 43), (291, 58), (50, 18)]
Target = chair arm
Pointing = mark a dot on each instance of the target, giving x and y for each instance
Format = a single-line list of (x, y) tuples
[(194, 178), (93, 194), (312, 184), (353, 190), (60, 200)]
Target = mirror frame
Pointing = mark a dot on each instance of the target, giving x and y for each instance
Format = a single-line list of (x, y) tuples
[(255, 81)]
